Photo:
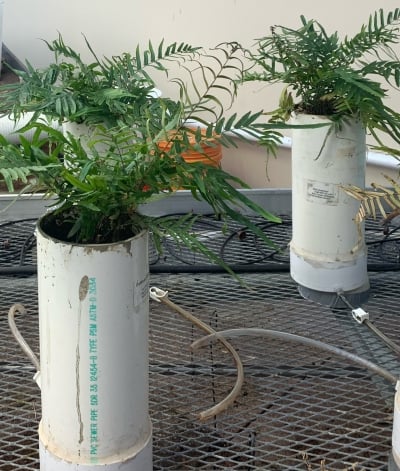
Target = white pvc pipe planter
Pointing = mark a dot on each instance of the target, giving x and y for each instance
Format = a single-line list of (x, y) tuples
[(10, 128), (87, 135), (327, 252), (93, 320), (394, 462)]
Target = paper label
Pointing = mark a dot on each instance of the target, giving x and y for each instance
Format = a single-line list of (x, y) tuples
[(322, 193)]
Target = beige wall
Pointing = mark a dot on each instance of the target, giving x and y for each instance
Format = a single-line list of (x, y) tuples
[(113, 26), (116, 26), (260, 171)]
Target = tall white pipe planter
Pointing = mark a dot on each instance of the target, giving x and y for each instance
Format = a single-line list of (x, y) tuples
[(394, 459), (93, 320), (327, 252)]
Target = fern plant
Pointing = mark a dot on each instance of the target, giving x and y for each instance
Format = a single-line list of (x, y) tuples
[(339, 78), (99, 194), (105, 91)]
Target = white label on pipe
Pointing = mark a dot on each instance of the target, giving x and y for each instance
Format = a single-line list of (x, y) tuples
[(322, 193)]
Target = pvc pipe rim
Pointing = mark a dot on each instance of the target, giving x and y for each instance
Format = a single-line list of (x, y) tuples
[(329, 277), (134, 459), (92, 245)]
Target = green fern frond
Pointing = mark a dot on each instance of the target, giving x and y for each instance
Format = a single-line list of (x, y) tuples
[(325, 75), (106, 90), (181, 231), (389, 70), (378, 34), (12, 173), (99, 193)]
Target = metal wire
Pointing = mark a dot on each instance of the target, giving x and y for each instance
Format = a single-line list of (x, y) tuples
[(393, 345)]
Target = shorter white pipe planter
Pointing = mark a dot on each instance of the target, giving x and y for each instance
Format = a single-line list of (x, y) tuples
[(90, 136), (327, 252), (94, 136), (93, 321)]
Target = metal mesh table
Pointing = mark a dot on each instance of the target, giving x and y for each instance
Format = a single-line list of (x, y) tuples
[(298, 407)]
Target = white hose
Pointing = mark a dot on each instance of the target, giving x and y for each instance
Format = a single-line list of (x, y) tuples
[(160, 295)]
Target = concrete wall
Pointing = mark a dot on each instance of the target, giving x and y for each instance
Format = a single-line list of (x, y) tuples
[(117, 26)]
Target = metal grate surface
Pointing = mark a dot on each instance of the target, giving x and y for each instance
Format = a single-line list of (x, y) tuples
[(298, 406)]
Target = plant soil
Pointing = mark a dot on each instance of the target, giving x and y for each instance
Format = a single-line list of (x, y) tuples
[(59, 225)]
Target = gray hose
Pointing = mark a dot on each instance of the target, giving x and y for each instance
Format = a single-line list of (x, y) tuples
[(284, 336)]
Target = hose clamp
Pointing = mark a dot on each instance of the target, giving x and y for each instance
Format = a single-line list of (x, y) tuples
[(157, 294), (359, 315)]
